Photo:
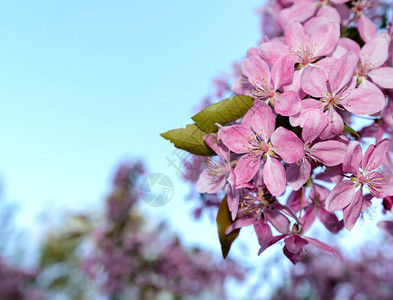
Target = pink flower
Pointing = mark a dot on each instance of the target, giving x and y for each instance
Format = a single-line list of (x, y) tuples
[(294, 243), (262, 83), (261, 144), (334, 92), (219, 175), (348, 194), (372, 57)]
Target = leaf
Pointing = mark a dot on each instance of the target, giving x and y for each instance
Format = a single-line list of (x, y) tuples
[(351, 131), (223, 112), (223, 222), (189, 139)]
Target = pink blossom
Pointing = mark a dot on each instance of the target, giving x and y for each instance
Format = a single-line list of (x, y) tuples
[(348, 194), (261, 144)]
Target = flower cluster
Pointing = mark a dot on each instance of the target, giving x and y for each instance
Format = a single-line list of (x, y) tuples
[(321, 68)]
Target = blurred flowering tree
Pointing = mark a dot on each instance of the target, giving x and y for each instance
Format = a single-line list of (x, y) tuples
[(120, 255), (283, 152), (365, 276)]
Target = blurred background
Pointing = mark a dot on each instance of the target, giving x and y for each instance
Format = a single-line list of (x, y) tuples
[(87, 87)]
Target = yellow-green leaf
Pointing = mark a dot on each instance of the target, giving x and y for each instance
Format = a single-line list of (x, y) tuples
[(222, 112), (189, 139), (223, 221)]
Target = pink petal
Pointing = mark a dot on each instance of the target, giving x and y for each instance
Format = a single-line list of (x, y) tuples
[(295, 36), (282, 71), (264, 234), (330, 153), (342, 72), (294, 243), (237, 138), (374, 155), (342, 194), (345, 45), (263, 121), (375, 52), (367, 28), (352, 211), (313, 81), (287, 104), (247, 166), (274, 240), (319, 192), (298, 174), (335, 125), (272, 51), (364, 101), (239, 223), (297, 12), (208, 183), (217, 146), (232, 200), (294, 200), (314, 126), (382, 76), (308, 218), (323, 247), (352, 158), (329, 13), (329, 219), (274, 176), (325, 39), (287, 145), (278, 220), (256, 70)]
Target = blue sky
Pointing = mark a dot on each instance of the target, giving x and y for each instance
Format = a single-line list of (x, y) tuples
[(86, 84)]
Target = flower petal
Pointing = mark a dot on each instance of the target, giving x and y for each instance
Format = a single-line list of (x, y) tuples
[(352, 158), (298, 173), (274, 176), (287, 104), (342, 72), (330, 153), (263, 121), (208, 183), (282, 71), (264, 234), (313, 81), (382, 76), (237, 138), (352, 211), (287, 145), (256, 70), (330, 220), (325, 39), (375, 52), (323, 247), (367, 28), (342, 194), (246, 167), (362, 101), (374, 155)]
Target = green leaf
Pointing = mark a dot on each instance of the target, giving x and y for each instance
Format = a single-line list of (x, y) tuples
[(223, 112), (351, 131), (223, 221), (352, 33), (189, 139)]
